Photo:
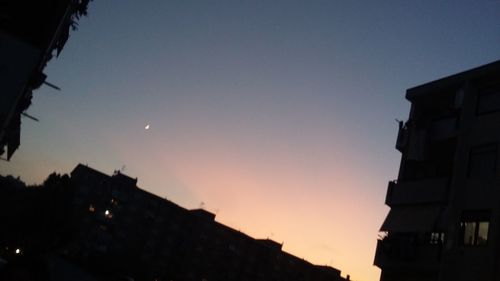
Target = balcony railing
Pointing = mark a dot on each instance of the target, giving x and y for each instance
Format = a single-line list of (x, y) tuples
[(432, 190), (407, 253), (415, 139)]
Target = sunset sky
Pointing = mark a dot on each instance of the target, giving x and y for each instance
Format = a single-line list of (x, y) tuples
[(278, 115)]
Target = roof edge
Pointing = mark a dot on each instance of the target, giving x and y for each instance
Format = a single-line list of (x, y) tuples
[(414, 92)]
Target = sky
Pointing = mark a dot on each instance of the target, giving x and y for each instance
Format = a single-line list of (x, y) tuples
[(278, 116)]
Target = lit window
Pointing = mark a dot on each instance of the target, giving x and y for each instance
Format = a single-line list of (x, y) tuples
[(108, 214), (482, 232), (91, 208), (469, 230), (474, 228), (437, 238)]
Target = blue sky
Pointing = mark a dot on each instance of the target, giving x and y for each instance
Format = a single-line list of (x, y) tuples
[(278, 115)]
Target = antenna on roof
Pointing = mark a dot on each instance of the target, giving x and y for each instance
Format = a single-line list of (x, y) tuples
[(51, 85), (30, 117)]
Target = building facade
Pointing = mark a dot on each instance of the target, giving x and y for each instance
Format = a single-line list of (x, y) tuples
[(122, 232), (444, 222)]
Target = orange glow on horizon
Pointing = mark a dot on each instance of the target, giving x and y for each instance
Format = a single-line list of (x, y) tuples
[(317, 215)]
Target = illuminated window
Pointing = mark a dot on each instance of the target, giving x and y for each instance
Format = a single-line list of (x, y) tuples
[(91, 208), (474, 228), (436, 238), (108, 214)]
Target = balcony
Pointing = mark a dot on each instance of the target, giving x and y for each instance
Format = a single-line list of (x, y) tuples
[(402, 140), (415, 139), (432, 190), (407, 253)]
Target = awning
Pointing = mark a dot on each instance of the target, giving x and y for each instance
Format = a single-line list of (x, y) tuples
[(412, 219)]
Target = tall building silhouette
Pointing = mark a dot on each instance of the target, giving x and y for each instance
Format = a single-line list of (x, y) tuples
[(114, 230), (31, 33), (122, 228), (444, 222)]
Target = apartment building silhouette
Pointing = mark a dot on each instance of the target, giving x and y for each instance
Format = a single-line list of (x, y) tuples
[(122, 228), (32, 32), (106, 226), (444, 222)]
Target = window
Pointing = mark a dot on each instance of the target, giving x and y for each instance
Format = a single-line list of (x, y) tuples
[(108, 214), (489, 99), (474, 228), (437, 238), (482, 161)]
